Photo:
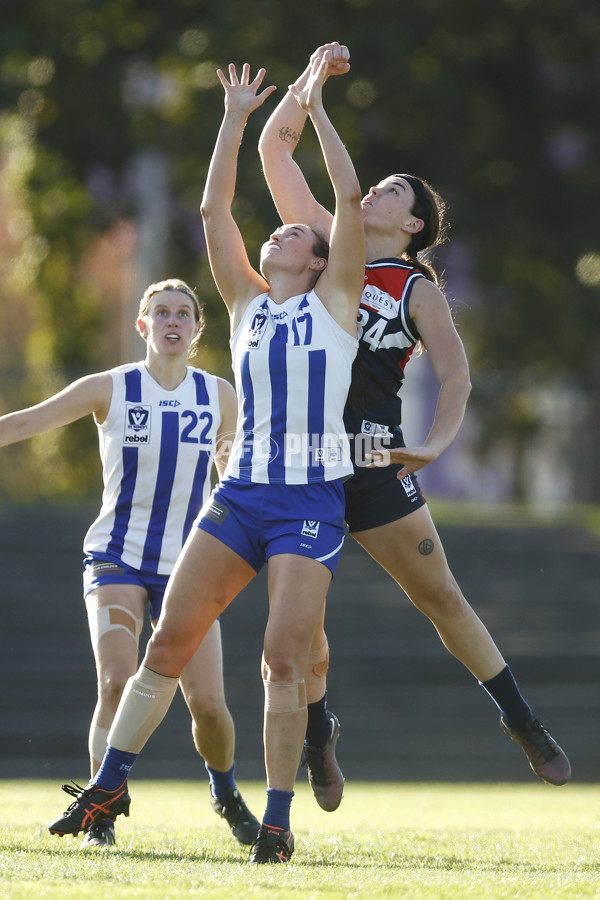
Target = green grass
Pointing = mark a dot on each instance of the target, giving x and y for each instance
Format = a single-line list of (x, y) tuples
[(386, 840)]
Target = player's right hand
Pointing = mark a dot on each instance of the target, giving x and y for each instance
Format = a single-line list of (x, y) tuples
[(339, 57)]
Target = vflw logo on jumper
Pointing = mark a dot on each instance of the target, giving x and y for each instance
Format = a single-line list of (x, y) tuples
[(138, 419), (256, 329), (310, 528)]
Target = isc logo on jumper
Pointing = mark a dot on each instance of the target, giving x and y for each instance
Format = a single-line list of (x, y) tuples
[(310, 528), (256, 329), (137, 424)]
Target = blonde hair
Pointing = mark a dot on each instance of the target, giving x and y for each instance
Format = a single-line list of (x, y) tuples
[(177, 286)]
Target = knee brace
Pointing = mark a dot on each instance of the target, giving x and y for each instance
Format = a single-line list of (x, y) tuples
[(284, 696)]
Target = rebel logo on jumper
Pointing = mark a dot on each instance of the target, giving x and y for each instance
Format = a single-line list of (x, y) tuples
[(137, 424)]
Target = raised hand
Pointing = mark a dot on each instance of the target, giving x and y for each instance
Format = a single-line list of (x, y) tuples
[(338, 60), (310, 96), (241, 95)]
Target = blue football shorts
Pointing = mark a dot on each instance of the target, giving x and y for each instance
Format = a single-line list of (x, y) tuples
[(258, 521), (100, 569)]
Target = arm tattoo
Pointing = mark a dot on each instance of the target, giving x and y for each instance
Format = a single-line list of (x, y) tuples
[(288, 136), (426, 547)]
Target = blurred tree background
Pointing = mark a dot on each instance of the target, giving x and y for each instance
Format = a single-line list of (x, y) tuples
[(108, 114)]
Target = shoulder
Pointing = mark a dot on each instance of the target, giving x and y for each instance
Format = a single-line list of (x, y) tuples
[(226, 391), (99, 385), (391, 263), (243, 315), (127, 367), (124, 369), (427, 299), (393, 275), (215, 380), (96, 392)]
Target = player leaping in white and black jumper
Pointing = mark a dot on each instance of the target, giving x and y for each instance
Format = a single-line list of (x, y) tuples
[(401, 307)]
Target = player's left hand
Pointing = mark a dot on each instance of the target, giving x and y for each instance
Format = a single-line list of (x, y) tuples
[(410, 458), (310, 96)]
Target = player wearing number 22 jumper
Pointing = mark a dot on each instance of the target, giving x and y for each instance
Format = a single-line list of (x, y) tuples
[(160, 424)]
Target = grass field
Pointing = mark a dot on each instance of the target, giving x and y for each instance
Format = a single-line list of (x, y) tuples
[(386, 840)]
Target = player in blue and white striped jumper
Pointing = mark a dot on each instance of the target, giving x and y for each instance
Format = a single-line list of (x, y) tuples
[(293, 340), (160, 422)]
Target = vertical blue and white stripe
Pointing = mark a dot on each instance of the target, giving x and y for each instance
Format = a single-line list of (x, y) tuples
[(292, 364), (157, 448)]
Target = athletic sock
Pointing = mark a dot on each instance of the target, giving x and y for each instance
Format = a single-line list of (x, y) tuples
[(220, 782), (277, 813), (506, 695), (318, 728), (114, 769)]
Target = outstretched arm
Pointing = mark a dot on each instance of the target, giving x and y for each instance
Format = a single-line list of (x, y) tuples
[(91, 394), (235, 278), (340, 285), (280, 136), (432, 317)]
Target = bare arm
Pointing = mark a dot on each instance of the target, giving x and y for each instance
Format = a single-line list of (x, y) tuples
[(340, 285), (235, 278), (432, 317), (91, 394), (226, 432), (280, 136)]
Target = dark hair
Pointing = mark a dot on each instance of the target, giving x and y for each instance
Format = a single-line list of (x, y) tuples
[(320, 245), (320, 248), (429, 207)]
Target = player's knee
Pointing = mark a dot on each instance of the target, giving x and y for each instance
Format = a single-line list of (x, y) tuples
[(168, 652), (445, 601), (207, 710), (280, 665)]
